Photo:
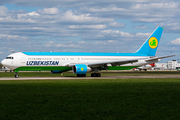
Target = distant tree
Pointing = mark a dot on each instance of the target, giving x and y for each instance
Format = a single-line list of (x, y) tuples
[(1, 66)]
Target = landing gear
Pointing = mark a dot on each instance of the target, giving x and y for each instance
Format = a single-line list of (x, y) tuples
[(95, 75), (16, 75), (81, 75)]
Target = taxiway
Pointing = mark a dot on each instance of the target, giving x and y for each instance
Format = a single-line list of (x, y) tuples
[(104, 77)]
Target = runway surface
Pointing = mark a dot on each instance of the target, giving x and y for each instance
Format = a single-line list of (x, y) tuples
[(103, 77)]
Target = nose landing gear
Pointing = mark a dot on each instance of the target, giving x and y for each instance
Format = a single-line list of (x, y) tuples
[(16, 75)]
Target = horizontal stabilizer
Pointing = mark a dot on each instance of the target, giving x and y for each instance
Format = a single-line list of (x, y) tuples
[(157, 58)]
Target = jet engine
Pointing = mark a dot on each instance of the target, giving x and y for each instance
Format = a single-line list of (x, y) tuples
[(81, 69)]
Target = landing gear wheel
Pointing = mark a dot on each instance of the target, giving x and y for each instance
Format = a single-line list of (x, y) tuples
[(16, 75), (98, 75), (95, 75)]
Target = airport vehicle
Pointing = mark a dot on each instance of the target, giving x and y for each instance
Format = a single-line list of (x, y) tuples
[(81, 63)]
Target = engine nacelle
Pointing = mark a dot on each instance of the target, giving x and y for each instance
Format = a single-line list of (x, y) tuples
[(81, 69), (56, 71)]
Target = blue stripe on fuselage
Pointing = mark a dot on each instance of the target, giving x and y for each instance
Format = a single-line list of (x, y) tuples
[(80, 54)]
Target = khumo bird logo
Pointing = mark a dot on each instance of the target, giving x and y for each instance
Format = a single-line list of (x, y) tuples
[(153, 42)]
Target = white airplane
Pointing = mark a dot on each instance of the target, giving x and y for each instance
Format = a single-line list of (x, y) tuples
[(145, 67), (81, 63)]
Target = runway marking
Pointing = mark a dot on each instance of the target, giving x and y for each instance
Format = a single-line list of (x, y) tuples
[(103, 77)]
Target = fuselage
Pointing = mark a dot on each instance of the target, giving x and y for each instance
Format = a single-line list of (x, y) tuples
[(49, 61)]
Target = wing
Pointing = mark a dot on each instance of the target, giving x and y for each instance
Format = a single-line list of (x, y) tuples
[(113, 63), (103, 65), (97, 64), (118, 63)]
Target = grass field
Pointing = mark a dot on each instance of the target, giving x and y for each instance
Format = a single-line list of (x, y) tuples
[(103, 73), (144, 99)]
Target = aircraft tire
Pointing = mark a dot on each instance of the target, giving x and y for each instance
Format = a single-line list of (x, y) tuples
[(98, 75), (95, 75), (16, 76)]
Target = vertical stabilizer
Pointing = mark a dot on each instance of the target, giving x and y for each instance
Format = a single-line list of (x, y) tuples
[(151, 44)]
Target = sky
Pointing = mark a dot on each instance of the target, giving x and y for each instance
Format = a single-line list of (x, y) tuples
[(88, 26)]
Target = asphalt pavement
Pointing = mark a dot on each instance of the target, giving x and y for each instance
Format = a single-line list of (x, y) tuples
[(103, 77)]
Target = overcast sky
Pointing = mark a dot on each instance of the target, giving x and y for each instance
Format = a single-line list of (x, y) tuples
[(87, 26)]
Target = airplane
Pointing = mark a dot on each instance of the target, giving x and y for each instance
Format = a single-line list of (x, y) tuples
[(145, 67), (81, 62), (5, 69)]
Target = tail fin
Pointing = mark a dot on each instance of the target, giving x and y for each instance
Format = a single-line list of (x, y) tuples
[(151, 44)]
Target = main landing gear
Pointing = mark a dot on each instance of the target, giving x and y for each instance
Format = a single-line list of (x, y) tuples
[(95, 75), (92, 75), (16, 75)]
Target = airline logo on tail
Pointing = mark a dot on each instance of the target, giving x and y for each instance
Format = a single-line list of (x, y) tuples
[(153, 42)]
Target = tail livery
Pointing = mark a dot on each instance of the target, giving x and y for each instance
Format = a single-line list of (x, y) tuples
[(151, 44)]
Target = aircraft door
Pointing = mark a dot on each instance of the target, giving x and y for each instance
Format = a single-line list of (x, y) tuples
[(23, 59)]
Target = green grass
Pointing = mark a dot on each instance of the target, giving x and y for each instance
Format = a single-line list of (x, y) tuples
[(103, 73), (109, 99)]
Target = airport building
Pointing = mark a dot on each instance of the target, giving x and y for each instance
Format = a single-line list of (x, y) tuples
[(170, 65)]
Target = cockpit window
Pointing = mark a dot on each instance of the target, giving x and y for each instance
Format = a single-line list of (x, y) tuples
[(9, 58)]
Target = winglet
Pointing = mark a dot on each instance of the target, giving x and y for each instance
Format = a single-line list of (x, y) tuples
[(151, 44)]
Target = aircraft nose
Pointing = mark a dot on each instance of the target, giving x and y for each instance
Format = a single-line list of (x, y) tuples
[(3, 62)]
